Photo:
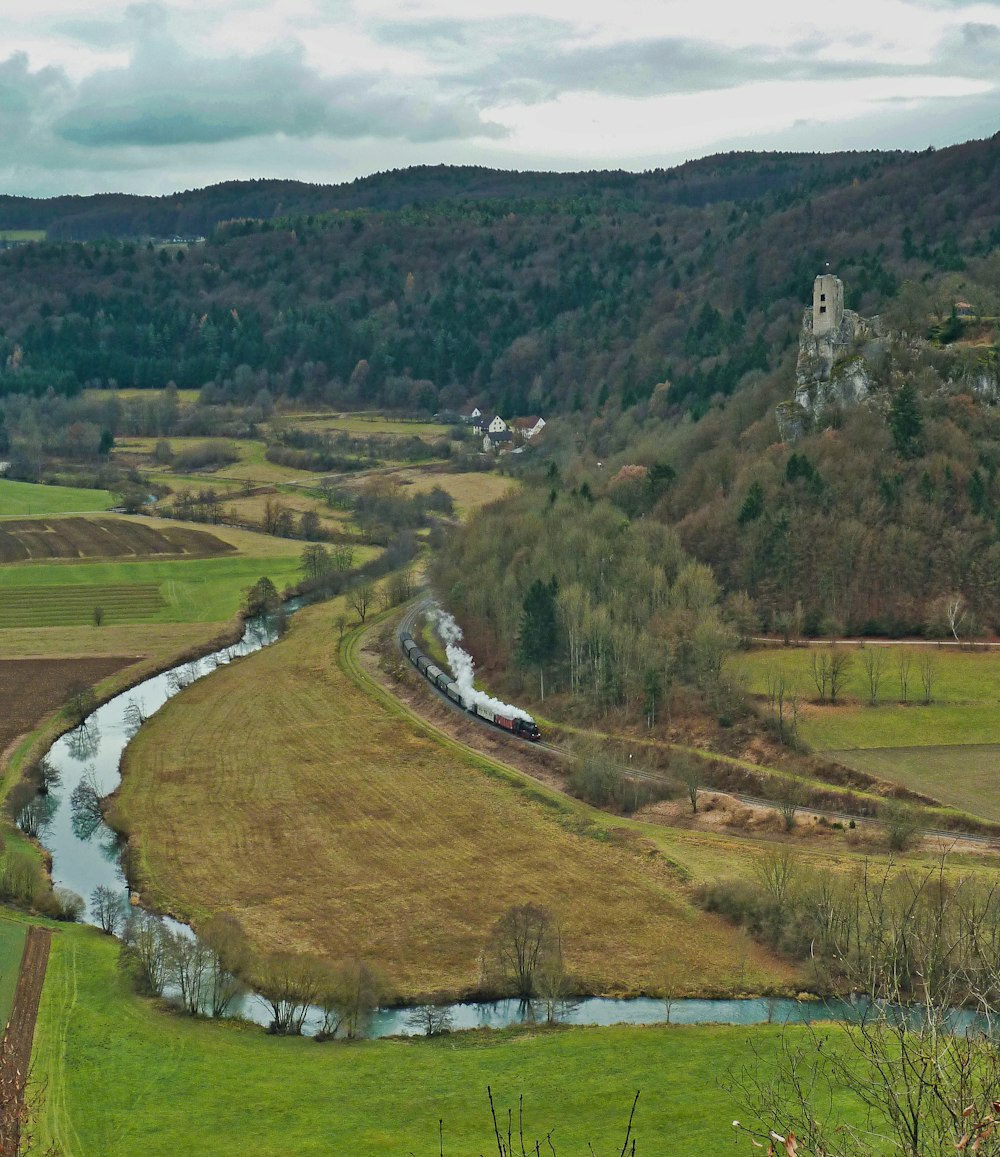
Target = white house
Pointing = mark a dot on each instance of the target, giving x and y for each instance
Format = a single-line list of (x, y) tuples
[(529, 427), (497, 426), (497, 441), (476, 413)]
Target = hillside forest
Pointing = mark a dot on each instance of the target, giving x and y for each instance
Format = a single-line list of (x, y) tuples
[(656, 314)]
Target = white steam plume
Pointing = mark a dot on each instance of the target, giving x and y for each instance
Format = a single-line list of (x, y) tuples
[(464, 669)]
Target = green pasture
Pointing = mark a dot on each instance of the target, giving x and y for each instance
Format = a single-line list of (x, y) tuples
[(185, 397), (21, 499), (22, 234), (153, 591), (11, 947), (963, 709), (121, 1078), (965, 776)]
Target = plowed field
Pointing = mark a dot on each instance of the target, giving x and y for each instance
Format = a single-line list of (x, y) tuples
[(31, 688), (40, 539)]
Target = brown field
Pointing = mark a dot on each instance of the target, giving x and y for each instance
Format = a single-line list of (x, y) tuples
[(328, 824), (469, 491), (251, 509), (31, 688), (44, 539)]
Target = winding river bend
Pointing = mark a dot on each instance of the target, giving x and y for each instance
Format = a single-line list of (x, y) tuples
[(86, 854)]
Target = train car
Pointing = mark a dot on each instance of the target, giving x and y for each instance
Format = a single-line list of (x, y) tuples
[(454, 694), (410, 649), (432, 673), (423, 662), (443, 680)]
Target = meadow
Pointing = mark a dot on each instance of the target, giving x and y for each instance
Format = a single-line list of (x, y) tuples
[(197, 590), (333, 826), (25, 499), (946, 748), (122, 1077)]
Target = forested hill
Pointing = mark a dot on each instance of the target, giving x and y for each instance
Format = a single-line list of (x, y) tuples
[(196, 212), (539, 292)]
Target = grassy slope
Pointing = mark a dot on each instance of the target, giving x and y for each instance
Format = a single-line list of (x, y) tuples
[(124, 1079), (278, 790), (20, 499), (966, 691), (11, 947)]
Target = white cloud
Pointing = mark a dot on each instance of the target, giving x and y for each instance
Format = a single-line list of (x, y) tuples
[(132, 94)]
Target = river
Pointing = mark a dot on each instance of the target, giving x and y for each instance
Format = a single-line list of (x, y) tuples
[(86, 855)]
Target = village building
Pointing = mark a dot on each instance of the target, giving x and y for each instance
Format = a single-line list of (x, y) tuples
[(496, 441), (497, 426)]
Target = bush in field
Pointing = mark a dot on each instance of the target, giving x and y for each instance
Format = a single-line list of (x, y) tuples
[(210, 455)]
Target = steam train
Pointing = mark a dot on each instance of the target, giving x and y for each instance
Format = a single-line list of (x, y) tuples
[(525, 728)]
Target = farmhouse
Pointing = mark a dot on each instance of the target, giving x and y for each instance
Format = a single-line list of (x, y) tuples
[(497, 440), (528, 427)]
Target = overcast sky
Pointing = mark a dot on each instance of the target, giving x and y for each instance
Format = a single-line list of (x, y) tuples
[(164, 95)]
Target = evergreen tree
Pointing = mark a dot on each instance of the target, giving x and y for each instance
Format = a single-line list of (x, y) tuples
[(539, 631), (906, 421)]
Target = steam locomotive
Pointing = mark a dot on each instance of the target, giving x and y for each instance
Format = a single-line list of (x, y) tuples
[(525, 728)]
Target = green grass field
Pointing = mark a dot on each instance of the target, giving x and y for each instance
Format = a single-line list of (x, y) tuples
[(184, 590), (947, 748), (21, 499), (122, 1078), (11, 947), (22, 234), (964, 707), (967, 777)]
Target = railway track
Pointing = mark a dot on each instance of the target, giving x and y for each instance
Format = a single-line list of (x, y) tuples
[(424, 605)]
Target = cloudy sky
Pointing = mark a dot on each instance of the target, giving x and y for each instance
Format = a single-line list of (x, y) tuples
[(163, 95)]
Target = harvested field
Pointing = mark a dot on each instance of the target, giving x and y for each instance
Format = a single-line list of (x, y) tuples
[(279, 791), (31, 688), (40, 539), (63, 606)]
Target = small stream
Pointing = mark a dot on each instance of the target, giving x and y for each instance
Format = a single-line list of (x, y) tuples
[(86, 855)]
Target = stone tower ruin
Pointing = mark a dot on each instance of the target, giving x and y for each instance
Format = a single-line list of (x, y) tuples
[(828, 304)]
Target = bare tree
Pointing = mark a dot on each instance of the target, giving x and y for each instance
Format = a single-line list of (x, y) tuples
[(776, 871), (873, 662), (361, 595), (188, 964), (108, 908), (907, 1074), (954, 611), (518, 943), (840, 670), (689, 772), (904, 659), (820, 663), (349, 997), (144, 951), (287, 984), (553, 984), (928, 673), (788, 802), (430, 1019), (229, 958)]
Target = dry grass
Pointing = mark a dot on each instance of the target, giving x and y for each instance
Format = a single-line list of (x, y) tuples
[(469, 491), (279, 791), (251, 509), (149, 640)]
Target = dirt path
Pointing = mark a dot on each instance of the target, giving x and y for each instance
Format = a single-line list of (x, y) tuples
[(15, 1051)]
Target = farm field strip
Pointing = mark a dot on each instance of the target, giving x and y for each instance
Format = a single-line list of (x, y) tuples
[(365, 815), (11, 948), (64, 606), (26, 499), (49, 539), (197, 590)]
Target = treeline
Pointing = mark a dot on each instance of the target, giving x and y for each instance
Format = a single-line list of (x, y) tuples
[(612, 612), (540, 293)]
